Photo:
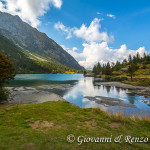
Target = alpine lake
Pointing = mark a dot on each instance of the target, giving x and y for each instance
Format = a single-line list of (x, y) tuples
[(78, 90)]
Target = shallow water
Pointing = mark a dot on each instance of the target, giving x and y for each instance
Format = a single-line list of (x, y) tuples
[(85, 86), (44, 79)]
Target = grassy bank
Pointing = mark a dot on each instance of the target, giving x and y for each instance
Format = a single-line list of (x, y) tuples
[(138, 80), (141, 77), (46, 126)]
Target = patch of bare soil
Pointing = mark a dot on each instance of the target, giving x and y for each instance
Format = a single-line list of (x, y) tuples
[(88, 124), (115, 124), (91, 123), (43, 124)]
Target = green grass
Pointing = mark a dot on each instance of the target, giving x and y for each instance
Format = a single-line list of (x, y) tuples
[(138, 82), (141, 76), (63, 119)]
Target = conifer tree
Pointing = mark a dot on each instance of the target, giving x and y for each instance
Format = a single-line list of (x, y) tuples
[(99, 68), (131, 70), (130, 59), (108, 69)]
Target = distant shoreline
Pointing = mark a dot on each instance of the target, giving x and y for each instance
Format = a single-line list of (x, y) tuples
[(140, 90)]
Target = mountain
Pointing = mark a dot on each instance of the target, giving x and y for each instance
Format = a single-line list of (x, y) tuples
[(29, 38), (26, 62)]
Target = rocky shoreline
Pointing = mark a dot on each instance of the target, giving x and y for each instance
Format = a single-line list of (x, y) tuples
[(37, 94), (108, 101), (139, 90), (55, 92)]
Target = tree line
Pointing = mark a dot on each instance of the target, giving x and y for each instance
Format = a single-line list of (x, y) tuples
[(130, 64)]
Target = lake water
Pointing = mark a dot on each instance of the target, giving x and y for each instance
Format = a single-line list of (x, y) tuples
[(83, 87)]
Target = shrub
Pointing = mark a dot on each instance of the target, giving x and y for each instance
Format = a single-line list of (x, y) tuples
[(124, 78), (108, 78), (7, 69), (3, 94), (146, 62), (144, 67)]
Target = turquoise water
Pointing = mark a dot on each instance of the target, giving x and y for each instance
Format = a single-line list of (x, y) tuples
[(85, 86), (39, 79)]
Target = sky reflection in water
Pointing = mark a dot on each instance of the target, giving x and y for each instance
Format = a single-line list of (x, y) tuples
[(85, 86)]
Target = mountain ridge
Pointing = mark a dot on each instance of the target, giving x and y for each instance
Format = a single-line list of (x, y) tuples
[(29, 38), (27, 62)]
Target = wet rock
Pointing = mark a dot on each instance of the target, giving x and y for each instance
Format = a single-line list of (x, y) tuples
[(131, 92), (108, 101), (29, 95), (147, 102), (139, 90), (146, 96)]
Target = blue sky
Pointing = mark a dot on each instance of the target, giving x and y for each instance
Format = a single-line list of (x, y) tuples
[(121, 27), (131, 26)]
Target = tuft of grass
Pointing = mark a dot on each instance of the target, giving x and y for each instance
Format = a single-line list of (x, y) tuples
[(47, 125)]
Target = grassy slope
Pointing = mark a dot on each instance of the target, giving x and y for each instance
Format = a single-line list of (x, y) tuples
[(26, 62), (141, 76), (51, 65), (65, 119)]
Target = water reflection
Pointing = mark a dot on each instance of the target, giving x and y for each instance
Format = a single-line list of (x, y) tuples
[(118, 89), (131, 98), (83, 87), (86, 87), (108, 89)]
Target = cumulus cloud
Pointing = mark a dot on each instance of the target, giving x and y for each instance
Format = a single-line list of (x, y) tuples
[(92, 33), (66, 30), (73, 52), (100, 52), (89, 34), (95, 46), (29, 10), (111, 16)]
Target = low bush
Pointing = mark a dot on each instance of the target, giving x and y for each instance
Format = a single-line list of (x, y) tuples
[(124, 78), (144, 67), (3, 94), (110, 78)]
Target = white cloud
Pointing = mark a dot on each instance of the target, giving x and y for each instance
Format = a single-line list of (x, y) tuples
[(92, 33), (89, 34), (72, 52), (96, 48), (100, 52), (68, 49), (66, 30), (29, 10), (111, 16)]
